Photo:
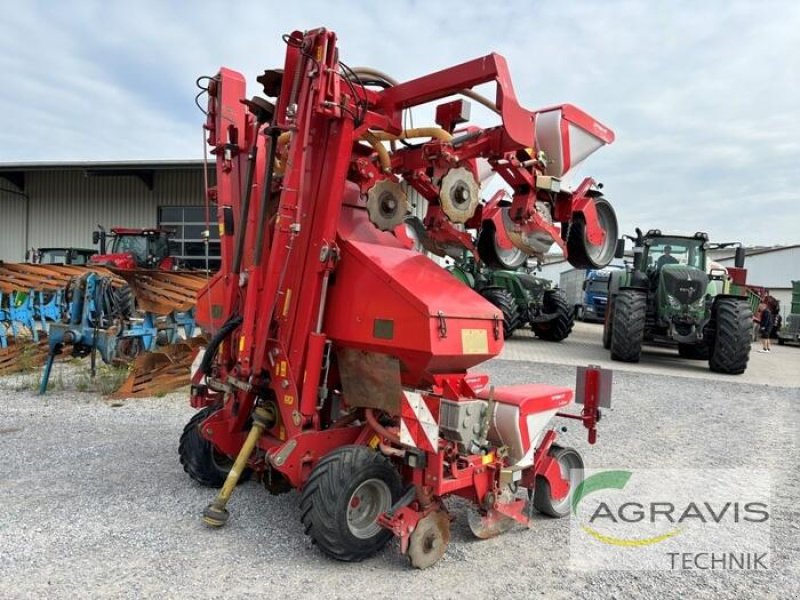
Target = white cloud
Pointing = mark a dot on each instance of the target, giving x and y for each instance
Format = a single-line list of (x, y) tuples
[(703, 96)]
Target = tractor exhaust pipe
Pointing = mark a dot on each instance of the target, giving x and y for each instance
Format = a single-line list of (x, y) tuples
[(215, 514)]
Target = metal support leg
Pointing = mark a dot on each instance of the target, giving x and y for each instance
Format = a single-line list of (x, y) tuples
[(46, 374)]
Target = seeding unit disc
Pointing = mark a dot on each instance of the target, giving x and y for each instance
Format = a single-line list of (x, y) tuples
[(387, 204), (459, 195)]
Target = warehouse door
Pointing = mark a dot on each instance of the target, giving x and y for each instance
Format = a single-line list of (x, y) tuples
[(189, 244)]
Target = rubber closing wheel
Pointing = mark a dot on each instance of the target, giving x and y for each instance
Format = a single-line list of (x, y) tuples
[(429, 540), (492, 255), (580, 252)]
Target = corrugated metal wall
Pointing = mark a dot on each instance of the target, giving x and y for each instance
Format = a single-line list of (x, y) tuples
[(66, 206), (12, 226)]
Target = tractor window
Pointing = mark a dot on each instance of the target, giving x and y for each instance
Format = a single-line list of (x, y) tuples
[(159, 246), (677, 251), (134, 244)]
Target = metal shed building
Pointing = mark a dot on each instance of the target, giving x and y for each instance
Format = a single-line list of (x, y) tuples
[(60, 204)]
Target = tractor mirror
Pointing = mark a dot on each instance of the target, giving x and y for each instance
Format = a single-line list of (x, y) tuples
[(738, 261), (95, 237), (620, 250)]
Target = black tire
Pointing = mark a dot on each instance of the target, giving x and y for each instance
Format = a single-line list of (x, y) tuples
[(607, 324), (329, 514), (561, 326), (732, 321), (504, 300), (781, 341), (627, 325), (492, 256), (571, 465), (697, 351), (204, 463), (123, 303), (582, 254)]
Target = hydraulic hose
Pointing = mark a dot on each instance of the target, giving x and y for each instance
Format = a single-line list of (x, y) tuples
[(213, 346), (380, 429), (383, 153), (274, 135), (247, 192)]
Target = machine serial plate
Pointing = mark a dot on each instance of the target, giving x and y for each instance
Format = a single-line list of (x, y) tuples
[(474, 341)]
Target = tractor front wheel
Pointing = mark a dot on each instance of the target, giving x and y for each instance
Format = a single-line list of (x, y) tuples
[(732, 321), (560, 326), (504, 300), (200, 459), (627, 325), (342, 499)]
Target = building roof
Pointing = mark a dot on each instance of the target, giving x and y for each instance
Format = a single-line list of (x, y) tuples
[(760, 250), (15, 173), (100, 165)]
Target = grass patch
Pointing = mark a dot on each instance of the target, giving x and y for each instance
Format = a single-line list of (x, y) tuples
[(106, 381)]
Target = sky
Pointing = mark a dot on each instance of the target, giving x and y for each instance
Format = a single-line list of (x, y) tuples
[(704, 97)]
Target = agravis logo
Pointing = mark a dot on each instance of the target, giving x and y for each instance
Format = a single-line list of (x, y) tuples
[(671, 515)]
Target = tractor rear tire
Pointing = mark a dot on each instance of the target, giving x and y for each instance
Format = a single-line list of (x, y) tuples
[(581, 254), (344, 495), (732, 319), (698, 351), (560, 327), (571, 464), (204, 463), (504, 300), (627, 326)]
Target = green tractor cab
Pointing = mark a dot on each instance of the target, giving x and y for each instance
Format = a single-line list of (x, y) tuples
[(671, 296)]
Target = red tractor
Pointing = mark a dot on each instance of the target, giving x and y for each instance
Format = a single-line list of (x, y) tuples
[(134, 249), (340, 358)]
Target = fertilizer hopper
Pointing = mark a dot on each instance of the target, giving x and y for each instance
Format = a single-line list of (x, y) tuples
[(567, 135), (390, 300)]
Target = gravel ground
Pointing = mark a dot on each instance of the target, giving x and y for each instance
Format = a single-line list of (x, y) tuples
[(95, 504)]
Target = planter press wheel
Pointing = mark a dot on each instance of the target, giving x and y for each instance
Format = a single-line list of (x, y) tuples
[(581, 253), (571, 465), (493, 255)]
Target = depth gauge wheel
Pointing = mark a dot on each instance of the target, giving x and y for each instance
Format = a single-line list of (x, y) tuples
[(492, 255), (581, 253), (200, 459), (571, 465), (342, 499)]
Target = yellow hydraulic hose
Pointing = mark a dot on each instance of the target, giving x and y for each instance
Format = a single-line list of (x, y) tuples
[(383, 153)]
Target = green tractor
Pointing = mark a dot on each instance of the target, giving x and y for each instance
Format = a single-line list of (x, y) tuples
[(669, 296), (523, 298)]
